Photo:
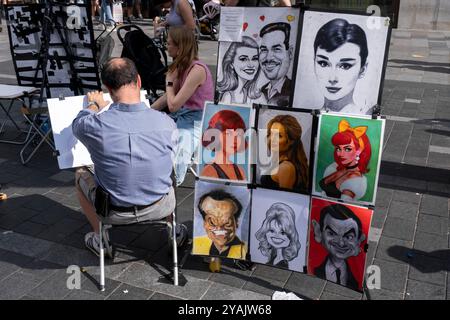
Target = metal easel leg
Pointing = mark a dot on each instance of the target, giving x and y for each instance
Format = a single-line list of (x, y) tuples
[(45, 137)]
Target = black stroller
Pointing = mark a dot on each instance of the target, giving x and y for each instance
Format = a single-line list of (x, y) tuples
[(150, 59)]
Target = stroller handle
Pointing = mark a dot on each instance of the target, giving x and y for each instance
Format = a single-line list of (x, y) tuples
[(126, 28)]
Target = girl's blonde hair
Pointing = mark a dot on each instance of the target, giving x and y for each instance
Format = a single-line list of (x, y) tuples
[(184, 39)]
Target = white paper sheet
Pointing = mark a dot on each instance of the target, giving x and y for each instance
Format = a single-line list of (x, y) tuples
[(72, 153), (231, 24)]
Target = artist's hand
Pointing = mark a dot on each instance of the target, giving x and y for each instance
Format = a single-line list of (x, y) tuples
[(97, 96)]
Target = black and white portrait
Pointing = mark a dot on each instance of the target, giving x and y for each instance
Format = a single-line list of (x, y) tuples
[(257, 67), (341, 62), (279, 227)]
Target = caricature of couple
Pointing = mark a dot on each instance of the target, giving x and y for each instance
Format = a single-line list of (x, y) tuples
[(242, 64)]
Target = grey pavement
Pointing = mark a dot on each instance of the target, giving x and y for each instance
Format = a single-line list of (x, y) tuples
[(42, 228)]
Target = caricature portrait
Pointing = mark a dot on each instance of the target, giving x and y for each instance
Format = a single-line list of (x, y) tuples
[(288, 139), (338, 236), (219, 211), (278, 238), (279, 229), (343, 60), (224, 136), (240, 73), (257, 66), (354, 151), (275, 57)]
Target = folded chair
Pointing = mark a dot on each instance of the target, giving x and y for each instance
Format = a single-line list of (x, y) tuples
[(172, 240)]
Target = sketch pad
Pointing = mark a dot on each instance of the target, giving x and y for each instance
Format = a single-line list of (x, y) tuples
[(72, 153)]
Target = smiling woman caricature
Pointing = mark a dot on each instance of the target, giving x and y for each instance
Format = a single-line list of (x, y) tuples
[(344, 179), (340, 60), (278, 237), (240, 71)]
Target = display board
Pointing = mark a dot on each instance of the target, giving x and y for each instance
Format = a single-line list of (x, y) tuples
[(71, 66)]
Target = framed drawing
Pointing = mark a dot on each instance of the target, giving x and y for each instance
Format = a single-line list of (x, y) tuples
[(341, 62)]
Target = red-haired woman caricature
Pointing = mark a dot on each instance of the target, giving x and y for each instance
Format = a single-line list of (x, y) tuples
[(229, 128), (344, 179)]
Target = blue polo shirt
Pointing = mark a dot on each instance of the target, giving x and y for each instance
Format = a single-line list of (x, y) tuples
[(131, 147)]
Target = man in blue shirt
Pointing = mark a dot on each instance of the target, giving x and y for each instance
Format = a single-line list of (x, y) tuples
[(131, 147)]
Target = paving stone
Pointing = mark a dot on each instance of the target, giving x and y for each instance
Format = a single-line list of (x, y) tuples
[(75, 240), (127, 292), (399, 228), (196, 267), (11, 262), (403, 210), (231, 277), (394, 250), (341, 291), (53, 288), (417, 290), (113, 269), (67, 256), (332, 296), (433, 224), (383, 295), (24, 244), (61, 230), (47, 218), (41, 269), (153, 239), (30, 228), (379, 217), (123, 237), (428, 269), (84, 295), (432, 244), (406, 196), (305, 286), (263, 286), (371, 252), (39, 203), (92, 284), (223, 292), (162, 296), (146, 277), (384, 197), (64, 176), (15, 218), (433, 205), (393, 275), (439, 160), (17, 285), (271, 273)]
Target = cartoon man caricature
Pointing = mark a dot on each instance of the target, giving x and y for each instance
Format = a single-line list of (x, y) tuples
[(340, 232), (275, 55), (220, 212)]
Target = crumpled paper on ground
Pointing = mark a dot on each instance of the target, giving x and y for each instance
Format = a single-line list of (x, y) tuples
[(281, 295)]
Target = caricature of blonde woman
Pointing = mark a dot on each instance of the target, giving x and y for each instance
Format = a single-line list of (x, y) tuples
[(278, 237)]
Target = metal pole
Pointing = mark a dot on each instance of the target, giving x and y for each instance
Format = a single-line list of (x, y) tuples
[(174, 249), (102, 259)]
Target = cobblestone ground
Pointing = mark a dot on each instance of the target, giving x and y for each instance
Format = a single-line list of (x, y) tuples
[(42, 228)]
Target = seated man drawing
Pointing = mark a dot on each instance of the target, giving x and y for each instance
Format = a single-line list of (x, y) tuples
[(131, 148)]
